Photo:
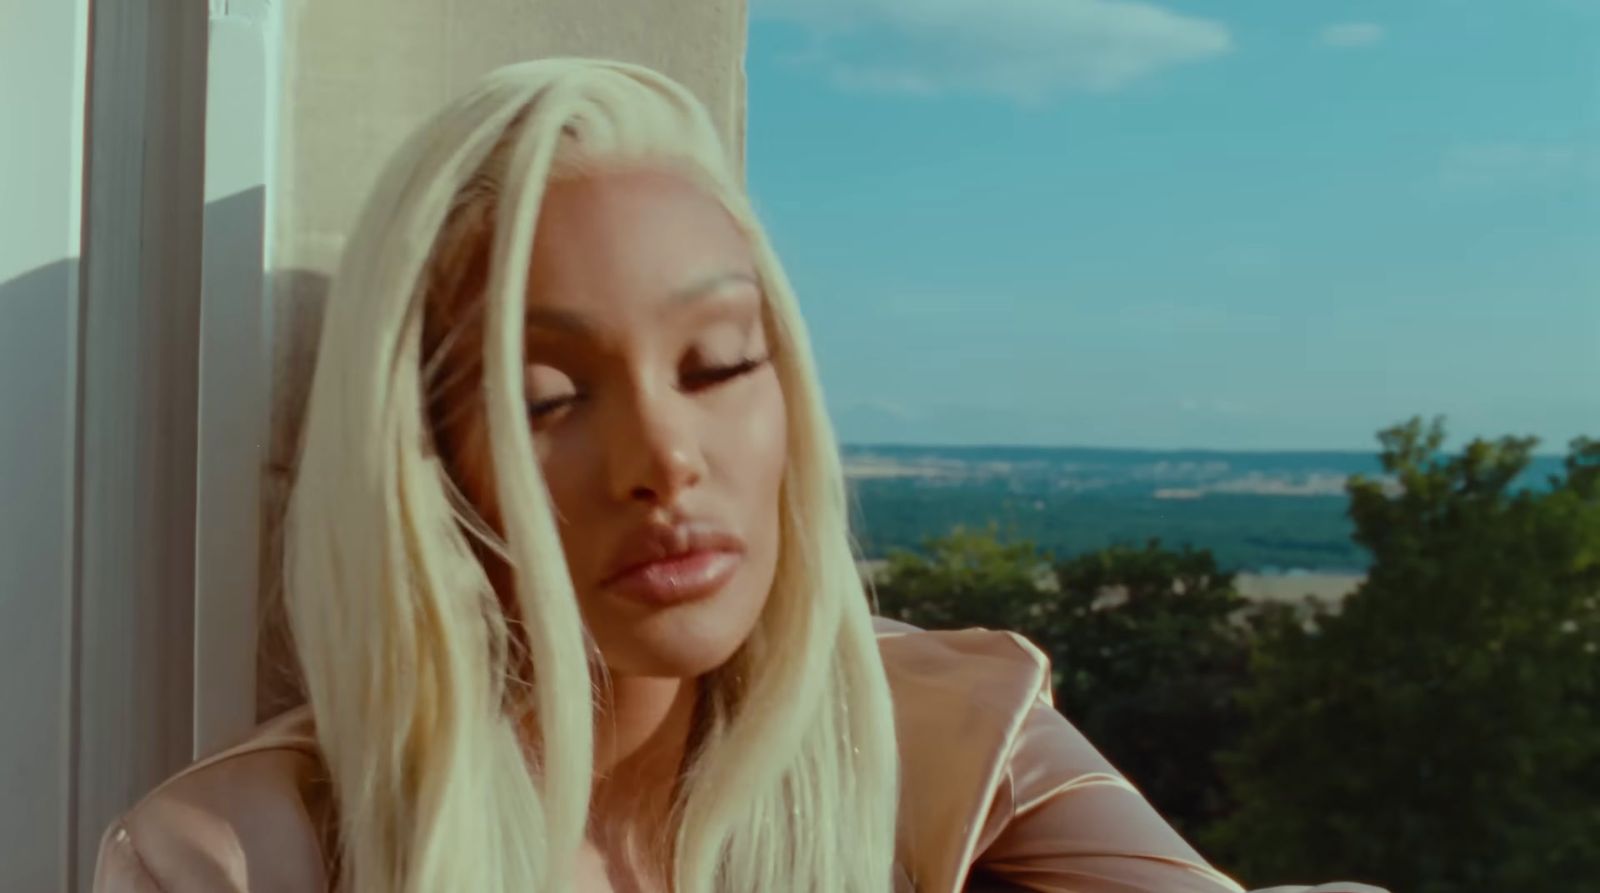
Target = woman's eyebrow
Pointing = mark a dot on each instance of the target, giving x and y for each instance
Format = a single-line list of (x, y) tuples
[(574, 323), (711, 284), (560, 320)]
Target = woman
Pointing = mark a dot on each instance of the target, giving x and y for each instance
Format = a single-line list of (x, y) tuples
[(569, 577)]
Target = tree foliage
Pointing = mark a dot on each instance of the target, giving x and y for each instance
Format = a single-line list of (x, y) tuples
[(1436, 732), (1439, 733), (1144, 643), (968, 578), (1150, 654)]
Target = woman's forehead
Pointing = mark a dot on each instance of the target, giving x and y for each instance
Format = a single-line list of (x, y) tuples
[(617, 200), (634, 235)]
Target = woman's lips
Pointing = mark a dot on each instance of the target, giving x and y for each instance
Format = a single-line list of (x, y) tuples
[(679, 578)]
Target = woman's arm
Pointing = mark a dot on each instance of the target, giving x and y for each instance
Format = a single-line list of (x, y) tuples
[(120, 868), (1066, 821)]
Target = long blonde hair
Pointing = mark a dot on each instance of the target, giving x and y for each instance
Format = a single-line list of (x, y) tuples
[(416, 673)]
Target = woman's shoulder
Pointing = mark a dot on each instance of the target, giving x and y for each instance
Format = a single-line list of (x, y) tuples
[(256, 816), (995, 671), (962, 700), (252, 818)]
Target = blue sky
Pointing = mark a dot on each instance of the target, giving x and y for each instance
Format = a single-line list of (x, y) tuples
[(1256, 224)]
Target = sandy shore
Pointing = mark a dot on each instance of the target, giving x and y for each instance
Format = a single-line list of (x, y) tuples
[(1291, 587), (1257, 587)]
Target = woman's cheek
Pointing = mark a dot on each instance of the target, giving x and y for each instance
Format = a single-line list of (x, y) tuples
[(766, 436), (562, 455)]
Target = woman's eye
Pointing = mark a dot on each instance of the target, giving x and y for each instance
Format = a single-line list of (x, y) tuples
[(556, 391), (711, 376), (549, 406)]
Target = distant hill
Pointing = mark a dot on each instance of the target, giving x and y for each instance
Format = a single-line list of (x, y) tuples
[(1265, 512)]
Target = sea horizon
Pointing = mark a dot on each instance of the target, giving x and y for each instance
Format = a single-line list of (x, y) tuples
[(1373, 451)]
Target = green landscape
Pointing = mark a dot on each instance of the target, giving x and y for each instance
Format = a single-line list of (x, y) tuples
[(1435, 730), (1256, 512)]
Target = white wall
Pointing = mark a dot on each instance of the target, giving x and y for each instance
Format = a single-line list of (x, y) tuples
[(42, 52)]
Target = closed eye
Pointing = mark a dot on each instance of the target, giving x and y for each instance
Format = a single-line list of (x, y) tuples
[(698, 380), (712, 376), (544, 409)]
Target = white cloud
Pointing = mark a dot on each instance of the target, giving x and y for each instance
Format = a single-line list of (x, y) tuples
[(1517, 165), (1351, 35), (1021, 49)]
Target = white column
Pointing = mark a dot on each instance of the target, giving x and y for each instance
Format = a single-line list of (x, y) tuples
[(138, 366)]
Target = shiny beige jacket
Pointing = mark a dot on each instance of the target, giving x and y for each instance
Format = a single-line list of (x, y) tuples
[(995, 781)]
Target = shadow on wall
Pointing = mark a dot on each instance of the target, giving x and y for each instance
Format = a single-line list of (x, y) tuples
[(121, 478), (37, 334), (299, 297), (38, 347)]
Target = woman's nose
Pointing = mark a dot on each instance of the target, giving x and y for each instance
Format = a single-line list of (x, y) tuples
[(654, 450)]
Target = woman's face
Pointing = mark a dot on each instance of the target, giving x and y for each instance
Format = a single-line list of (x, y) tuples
[(657, 417)]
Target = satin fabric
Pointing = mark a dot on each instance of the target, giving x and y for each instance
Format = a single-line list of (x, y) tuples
[(999, 793)]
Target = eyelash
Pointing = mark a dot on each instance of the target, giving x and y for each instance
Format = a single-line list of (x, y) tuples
[(716, 375), (698, 380)]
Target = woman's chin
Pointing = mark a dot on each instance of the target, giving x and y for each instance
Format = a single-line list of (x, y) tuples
[(686, 645)]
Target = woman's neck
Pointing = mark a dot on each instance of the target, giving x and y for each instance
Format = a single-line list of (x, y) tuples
[(642, 721), (641, 737)]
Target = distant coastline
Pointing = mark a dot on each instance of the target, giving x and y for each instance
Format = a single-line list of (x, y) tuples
[(1295, 585), (1291, 586), (1279, 518)]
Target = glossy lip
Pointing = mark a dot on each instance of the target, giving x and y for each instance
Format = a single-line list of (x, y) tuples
[(665, 564)]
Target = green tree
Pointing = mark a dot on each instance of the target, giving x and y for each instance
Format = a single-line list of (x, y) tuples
[(1151, 656), (1145, 643), (1440, 732), (965, 579)]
